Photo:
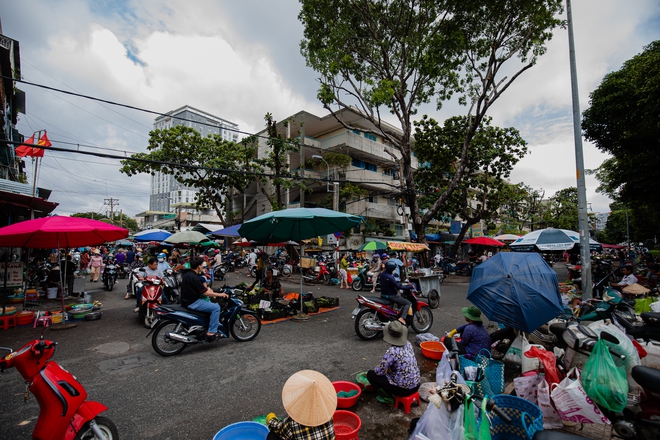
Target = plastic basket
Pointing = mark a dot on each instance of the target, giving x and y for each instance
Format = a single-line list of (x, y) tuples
[(242, 431), (526, 419), (347, 425), (306, 262), (346, 402)]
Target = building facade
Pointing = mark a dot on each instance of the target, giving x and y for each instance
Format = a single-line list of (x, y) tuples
[(168, 195)]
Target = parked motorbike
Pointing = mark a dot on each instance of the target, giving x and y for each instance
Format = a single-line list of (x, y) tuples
[(178, 327), (281, 266), (64, 411), (109, 277), (40, 276), (363, 280), (372, 314), (172, 286), (318, 274), (152, 297), (451, 266)]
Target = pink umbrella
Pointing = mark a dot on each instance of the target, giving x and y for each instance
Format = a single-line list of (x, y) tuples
[(59, 232), (484, 241)]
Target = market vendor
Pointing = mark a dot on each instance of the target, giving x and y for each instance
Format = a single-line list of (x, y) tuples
[(474, 336), (272, 285), (627, 280)]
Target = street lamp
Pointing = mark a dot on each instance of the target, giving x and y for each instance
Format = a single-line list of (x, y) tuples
[(335, 184), (316, 156)]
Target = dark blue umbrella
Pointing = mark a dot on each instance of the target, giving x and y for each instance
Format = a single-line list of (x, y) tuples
[(152, 235), (230, 231), (517, 289)]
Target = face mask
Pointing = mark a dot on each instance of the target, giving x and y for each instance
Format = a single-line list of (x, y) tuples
[(160, 260)]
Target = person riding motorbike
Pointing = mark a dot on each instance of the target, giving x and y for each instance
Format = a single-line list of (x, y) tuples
[(152, 270), (195, 296), (389, 289), (163, 265)]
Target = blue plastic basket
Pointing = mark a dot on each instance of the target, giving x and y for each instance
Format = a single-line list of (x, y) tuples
[(526, 419), (243, 431)]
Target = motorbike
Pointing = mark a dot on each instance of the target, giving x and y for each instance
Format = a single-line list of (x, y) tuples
[(451, 266), (178, 327), (109, 277), (363, 280), (372, 314), (172, 286), (123, 270), (152, 296), (64, 411), (639, 418), (281, 266), (318, 274), (40, 276)]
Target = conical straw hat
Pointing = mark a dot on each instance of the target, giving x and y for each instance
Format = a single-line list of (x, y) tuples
[(309, 398)]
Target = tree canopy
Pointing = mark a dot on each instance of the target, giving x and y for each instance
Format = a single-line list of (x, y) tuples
[(119, 219), (393, 56)]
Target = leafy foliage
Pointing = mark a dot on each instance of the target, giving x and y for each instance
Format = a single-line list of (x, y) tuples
[(210, 164), (376, 56), (119, 219)]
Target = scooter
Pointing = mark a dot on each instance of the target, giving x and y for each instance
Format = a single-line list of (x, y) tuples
[(319, 274), (172, 286), (451, 266), (364, 281), (152, 296), (109, 277), (178, 327), (64, 411), (372, 314)]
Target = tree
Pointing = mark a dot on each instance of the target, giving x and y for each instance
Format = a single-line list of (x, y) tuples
[(376, 56), (119, 220), (209, 164), (561, 212), (483, 190)]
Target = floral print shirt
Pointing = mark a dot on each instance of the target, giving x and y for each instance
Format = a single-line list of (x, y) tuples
[(399, 365)]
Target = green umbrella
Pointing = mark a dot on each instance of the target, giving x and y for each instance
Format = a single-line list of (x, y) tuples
[(297, 224), (187, 237), (373, 246)]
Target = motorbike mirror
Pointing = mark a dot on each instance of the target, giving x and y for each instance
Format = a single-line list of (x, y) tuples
[(609, 337)]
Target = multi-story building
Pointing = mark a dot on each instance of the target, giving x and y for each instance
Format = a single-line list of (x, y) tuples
[(168, 198), (372, 168)]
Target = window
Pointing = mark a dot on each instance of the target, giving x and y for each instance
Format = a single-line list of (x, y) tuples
[(398, 229), (357, 132), (364, 165), (370, 136)]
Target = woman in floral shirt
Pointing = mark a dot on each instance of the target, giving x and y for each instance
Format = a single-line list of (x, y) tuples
[(398, 373)]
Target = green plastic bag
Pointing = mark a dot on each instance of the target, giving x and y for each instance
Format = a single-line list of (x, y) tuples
[(484, 423), (644, 304), (470, 430), (603, 381)]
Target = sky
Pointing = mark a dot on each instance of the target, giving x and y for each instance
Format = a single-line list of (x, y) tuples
[(240, 60)]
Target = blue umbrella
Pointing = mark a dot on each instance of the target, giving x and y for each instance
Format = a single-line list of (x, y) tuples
[(516, 289), (230, 231), (152, 235)]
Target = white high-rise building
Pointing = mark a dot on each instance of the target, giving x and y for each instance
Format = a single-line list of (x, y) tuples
[(165, 190)]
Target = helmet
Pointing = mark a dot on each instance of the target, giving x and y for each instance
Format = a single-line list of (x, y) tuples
[(165, 251), (161, 255), (390, 266), (217, 251)]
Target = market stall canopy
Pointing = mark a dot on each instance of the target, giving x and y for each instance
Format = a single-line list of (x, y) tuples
[(231, 231), (205, 228), (373, 246), (551, 239), (313, 249), (297, 224), (407, 246), (516, 289), (484, 241), (613, 246), (60, 232), (187, 237), (152, 235)]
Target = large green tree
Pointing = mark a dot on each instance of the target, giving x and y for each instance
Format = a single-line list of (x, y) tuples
[(623, 120), (561, 211), (393, 56), (209, 164), (483, 191), (119, 219)]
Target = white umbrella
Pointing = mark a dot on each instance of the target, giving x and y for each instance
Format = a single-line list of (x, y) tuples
[(508, 237), (551, 239)]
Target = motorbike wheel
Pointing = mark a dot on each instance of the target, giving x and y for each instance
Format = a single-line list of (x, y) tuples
[(253, 271), (434, 299), (422, 320), (149, 317), (441, 277), (111, 284), (245, 327), (364, 317), (163, 345), (227, 268), (357, 284), (286, 272), (106, 426), (325, 279)]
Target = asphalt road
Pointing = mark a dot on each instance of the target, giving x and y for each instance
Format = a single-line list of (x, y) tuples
[(207, 387)]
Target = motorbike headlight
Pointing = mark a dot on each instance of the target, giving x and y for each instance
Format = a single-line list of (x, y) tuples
[(156, 282)]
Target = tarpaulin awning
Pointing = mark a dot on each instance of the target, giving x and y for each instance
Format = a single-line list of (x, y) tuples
[(407, 246)]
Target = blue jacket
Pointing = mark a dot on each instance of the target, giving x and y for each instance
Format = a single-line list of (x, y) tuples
[(389, 286)]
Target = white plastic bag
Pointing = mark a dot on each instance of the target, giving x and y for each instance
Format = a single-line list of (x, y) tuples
[(551, 418), (529, 364), (439, 424), (424, 337), (443, 373), (572, 402), (625, 347), (527, 387), (514, 353)]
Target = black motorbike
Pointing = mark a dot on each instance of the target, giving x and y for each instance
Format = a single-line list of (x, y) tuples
[(364, 281), (178, 327), (109, 277), (172, 286)]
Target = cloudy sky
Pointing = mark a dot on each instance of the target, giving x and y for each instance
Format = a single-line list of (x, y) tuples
[(239, 60)]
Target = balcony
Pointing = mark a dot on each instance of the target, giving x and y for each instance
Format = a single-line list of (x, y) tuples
[(371, 178), (373, 210)]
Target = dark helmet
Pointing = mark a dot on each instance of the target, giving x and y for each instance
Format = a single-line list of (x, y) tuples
[(390, 266)]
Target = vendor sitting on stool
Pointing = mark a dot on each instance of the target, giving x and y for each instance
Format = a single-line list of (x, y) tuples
[(474, 336), (398, 373), (272, 286), (310, 400)]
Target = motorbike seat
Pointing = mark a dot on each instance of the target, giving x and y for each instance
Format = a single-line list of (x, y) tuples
[(180, 308), (651, 319), (379, 300), (558, 328), (647, 377)]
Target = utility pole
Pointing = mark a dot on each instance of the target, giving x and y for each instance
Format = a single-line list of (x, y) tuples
[(112, 202), (302, 161)]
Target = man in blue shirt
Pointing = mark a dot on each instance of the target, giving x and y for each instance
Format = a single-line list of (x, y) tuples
[(389, 289)]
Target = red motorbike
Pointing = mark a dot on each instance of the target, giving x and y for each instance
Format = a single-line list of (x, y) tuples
[(152, 297), (372, 313), (65, 412), (319, 274)]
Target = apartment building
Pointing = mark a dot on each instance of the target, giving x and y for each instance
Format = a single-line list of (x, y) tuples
[(372, 168)]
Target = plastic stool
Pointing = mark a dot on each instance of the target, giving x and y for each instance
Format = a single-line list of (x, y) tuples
[(407, 401), (44, 320), (7, 321)]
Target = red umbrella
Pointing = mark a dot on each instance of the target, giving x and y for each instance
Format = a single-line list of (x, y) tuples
[(59, 232), (484, 241)]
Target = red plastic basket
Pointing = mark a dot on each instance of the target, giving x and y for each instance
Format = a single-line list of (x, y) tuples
[(346, 402), (347, 425)]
